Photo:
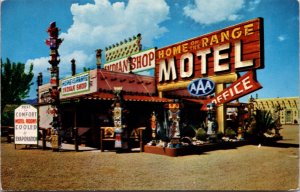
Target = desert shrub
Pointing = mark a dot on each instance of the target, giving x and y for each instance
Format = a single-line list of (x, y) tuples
[(189, 131), (201, 134), (230, 133)]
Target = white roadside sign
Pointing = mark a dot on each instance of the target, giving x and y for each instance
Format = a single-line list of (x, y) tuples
[(26, 127)]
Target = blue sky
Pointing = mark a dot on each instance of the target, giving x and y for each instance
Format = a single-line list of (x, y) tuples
[(87, 25)]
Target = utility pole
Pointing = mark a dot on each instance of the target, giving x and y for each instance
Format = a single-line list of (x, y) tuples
[(54, 42)]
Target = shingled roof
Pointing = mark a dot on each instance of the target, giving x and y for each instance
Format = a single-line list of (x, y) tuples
[(134, 87), (130, 83)]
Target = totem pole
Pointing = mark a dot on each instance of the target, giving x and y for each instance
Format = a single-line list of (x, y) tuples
[(73, 67), (153, 127), (212, 125), (39, 82), (173, 118), (98, 58), (54, 42), (121, 132)]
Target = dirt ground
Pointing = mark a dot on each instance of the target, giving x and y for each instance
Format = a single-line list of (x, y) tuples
[(248, 167)]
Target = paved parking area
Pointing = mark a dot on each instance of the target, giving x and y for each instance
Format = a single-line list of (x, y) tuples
[(249, 167)]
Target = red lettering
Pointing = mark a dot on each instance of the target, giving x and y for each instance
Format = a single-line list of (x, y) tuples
[(145, 60), (81, 86), (138, 59), (33, 121), (19, 121), (69, 89)]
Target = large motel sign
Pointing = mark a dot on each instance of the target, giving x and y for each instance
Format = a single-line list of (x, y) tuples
[(218, 56)]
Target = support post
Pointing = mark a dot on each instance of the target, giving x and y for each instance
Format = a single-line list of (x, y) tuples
[(76, 139), (44, 139), (221, 110)]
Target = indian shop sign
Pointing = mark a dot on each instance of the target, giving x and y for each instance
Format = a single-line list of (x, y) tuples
[(26, 128), (141, 61), (201, 87), (236, 48), (75, 84)]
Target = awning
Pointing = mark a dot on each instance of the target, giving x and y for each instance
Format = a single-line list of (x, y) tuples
[(198, 101), (126, 97)]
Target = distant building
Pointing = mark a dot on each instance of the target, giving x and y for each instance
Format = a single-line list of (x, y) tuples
[(288, 108)]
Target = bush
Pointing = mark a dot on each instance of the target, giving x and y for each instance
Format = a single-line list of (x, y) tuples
[(201, 134), (188, 131), (7, 118), (230, 133)]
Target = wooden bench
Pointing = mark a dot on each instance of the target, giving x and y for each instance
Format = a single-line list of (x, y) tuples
[(107, 134)]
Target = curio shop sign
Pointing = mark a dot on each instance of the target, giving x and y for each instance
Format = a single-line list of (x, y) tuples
[(201, 87), (75, 84), (236, 48)]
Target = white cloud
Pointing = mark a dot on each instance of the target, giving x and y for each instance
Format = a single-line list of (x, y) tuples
[(101, 24), (253, 4), (39, 65), (281, 38), (214, 11)]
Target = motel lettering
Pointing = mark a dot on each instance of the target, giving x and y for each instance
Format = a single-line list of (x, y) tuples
[(236, 48)]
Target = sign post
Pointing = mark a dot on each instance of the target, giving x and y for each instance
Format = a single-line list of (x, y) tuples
[(26, 127)]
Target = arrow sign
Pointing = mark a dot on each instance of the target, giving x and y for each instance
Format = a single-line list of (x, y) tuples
[(243, 86)]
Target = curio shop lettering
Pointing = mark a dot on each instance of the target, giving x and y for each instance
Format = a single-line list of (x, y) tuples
[(72, 88)]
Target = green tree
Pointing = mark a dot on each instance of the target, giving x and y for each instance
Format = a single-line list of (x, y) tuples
[(15, 83)]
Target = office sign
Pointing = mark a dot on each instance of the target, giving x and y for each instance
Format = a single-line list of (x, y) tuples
[(26, 127), (243, 86), (233, 49)]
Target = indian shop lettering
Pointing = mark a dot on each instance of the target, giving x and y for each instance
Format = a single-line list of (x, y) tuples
[(138, 62), (186, 68)]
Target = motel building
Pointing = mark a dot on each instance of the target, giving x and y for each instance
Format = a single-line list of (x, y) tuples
[(219, 67), (287, 108)]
